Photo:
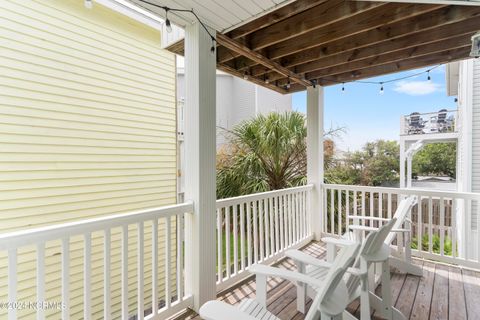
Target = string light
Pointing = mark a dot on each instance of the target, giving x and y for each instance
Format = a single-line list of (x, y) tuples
[(288, 84), (265, 79), (168, 24), (343, 87), (381, 87), (245, 75), (428, 76), (314, 83), (88, 4)]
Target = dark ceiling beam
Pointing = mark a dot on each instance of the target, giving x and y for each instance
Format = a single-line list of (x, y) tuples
[(375, 18), (235, 46), (274, 17), (398, 66), (260, 82)]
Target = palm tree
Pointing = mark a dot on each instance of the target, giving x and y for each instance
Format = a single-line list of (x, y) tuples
[(267, 152)]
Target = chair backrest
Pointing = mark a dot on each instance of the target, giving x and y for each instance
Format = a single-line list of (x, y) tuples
[(401, 215), (370, 247), (414, 118), (329, 298), (442, 115)]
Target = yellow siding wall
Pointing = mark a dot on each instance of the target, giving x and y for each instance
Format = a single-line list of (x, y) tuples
[(87, 129)]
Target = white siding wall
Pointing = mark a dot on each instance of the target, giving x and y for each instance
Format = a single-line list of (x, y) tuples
[(271, 101), (87, 109), (475, 64)]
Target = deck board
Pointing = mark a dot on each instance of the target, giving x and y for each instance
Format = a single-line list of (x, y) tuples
[(444, 292)]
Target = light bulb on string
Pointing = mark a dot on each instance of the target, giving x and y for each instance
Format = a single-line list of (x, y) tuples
[(168, 24), (343, 87), (88, 4), (429, 79), (381, 88)]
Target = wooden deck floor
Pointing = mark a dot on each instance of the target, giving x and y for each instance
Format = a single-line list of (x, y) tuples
[(444, 292)]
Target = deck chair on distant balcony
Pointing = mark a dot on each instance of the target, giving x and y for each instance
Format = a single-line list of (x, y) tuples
[(373, 250), (401, 255), (329, 302)]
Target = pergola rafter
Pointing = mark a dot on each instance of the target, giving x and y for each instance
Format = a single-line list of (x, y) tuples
[(334, 41)]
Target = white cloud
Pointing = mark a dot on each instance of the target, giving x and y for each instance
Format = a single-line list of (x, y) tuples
[(417, 88)]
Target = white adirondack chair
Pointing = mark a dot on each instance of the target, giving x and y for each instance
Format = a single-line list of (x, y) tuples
[(373, 250), (329, 302), (401, 257)]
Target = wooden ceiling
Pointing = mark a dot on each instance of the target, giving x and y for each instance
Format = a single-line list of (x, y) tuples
[(335, 41)]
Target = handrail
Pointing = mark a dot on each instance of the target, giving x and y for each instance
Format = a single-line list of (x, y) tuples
[(433, 112), (258, 196), (25, 237), (409, 191)]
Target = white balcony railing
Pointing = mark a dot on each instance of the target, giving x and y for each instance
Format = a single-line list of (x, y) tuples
[(443, 121), (444, 224), (112, 268), (258, 228)]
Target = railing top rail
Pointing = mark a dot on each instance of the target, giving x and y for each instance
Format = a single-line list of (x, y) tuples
[(258, 196), (31, 236), (430, 113), (420, 192)]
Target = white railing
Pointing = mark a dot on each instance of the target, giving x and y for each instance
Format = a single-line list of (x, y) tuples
[(444, 224), (121, 269), (443, 121), (258, 228)]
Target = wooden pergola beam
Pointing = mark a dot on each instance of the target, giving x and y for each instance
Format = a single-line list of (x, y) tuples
[(258, 58), (340, 30), (274, 17), (237, 73), (407, 64), (407, 53)]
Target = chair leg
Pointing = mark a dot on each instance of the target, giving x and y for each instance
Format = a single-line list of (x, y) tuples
[(261, 290), (331, 252), (301, 289), (386, 291)]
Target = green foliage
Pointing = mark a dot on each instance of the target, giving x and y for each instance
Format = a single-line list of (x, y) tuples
[(376, 164), (436, 159), (265, 153), (447, 244)]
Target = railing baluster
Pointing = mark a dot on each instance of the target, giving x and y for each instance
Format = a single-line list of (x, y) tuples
[(372, 204), (87, 276), (155, 266), (339, 213), (454, 226), (267, 227), (272, 226), (363, 221), (347, 210), (419, 223), (389, 213), (430, 223), (140, 257), (124, 281), (332, 211), (468, 227), (290, 219), (380, 208), (168, 265), (235, 239), (255, 232), (242, 236), (261, 229), (355, 207), (228, 262), (12, 282), (282, 222), (180, 235), (297, 216), (40, 278), (106, 274), (65, 278), (442, 226), (277, 227), (220, 245), (249, 233)]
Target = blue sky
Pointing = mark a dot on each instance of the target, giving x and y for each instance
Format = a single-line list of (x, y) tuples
[(368, 115)]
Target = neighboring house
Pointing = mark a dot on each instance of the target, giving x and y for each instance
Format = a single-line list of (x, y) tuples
[(237, 100), (88, 129)]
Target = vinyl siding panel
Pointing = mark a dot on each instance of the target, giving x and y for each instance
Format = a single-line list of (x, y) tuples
[(476, 128), (87, 129)]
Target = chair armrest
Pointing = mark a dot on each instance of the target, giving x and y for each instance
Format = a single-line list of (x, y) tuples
[(218, 310), (300, 256), (368, 218), (356, 272), (362, 228), (293, 276), (401, 230), (338, 241)]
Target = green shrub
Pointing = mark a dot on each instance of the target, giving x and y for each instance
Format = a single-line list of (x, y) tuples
[(447, 244)]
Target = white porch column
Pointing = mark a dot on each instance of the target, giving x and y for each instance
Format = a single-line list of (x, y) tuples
[(315, 155), (402, 163), (200, 152)]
